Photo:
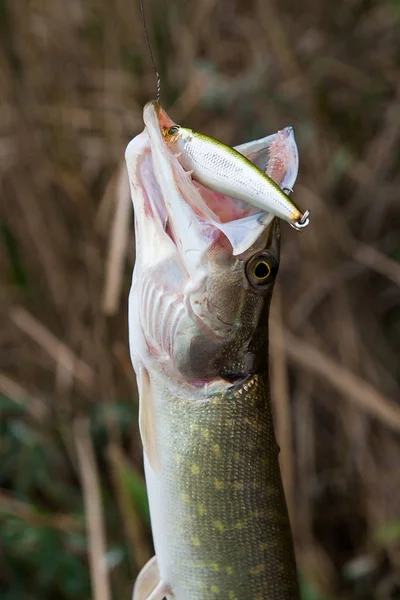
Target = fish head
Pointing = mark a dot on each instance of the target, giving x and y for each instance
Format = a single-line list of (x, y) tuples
[(230, 307), (205, 267)]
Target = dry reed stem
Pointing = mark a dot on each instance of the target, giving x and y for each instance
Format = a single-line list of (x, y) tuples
[(106, 205), (362, 253), (134, 528), (355, 423), (280, 397), (28, 513), (90, 481), (379, 156), (38, 231), (271, 21), (304, 431), (118, 245), (54, 347), (314, 562), (33, 405), (371, 257), (363, 394)]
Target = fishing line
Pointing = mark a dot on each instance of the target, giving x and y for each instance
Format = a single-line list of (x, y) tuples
[(146, 35)]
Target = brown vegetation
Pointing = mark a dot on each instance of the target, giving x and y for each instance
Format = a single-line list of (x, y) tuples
[(74, 77)]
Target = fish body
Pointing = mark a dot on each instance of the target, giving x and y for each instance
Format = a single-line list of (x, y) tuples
[(225, 170), (219, 518), (198, 320)]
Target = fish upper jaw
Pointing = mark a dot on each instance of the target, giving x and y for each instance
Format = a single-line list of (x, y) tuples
[(166, 225)]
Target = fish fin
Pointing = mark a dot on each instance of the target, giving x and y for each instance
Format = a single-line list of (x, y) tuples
[(160, 592), (148, 585), (146, 419)]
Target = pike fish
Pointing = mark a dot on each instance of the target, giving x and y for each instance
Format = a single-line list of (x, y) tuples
[(198, 326)]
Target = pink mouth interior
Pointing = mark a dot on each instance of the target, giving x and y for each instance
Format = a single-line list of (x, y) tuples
[(224, 207)]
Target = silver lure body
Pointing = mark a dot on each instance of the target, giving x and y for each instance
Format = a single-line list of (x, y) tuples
[(226, 171)]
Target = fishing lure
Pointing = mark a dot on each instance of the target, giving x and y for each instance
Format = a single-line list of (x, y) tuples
[(226, 171)]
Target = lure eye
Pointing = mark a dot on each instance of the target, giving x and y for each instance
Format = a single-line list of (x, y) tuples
[(261, 270), (173, 130)]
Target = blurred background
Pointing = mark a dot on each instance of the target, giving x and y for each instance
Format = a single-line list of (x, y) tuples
[(74, 77)]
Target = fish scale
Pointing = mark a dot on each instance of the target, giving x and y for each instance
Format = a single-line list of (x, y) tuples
[(220, 497)]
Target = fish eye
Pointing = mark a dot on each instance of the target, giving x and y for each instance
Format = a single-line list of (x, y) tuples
[(173, 130), (261, 269)]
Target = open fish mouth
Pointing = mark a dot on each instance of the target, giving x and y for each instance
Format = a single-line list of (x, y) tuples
[(171, 208), (190, 287)]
